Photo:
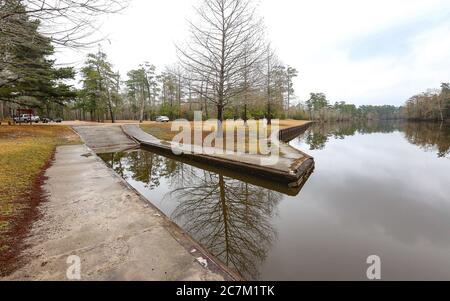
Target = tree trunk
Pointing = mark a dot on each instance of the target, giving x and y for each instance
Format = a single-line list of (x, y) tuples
[(179, 96), (147, 84), (219, 112), (219, 118), (288, 102), (221, 77), (190, 98), (269, 109), (206, 104), (142, 107), (245, 113), (110, 107), (201, 98), (225, 215), (440, 110), (1, 111)]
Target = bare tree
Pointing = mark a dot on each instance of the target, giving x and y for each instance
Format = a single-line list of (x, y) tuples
[(252, 78), (271, 63), (180, 78), (65, 22), (228, 31)]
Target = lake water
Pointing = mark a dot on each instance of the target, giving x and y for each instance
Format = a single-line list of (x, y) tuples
[(377, 189)]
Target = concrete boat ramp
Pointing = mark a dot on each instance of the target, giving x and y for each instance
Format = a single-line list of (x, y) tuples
[(289, 168), (105, 138), (93, 214)]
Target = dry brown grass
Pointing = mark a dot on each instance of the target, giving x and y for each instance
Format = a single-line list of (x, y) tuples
[(24, 150), (163, 131)]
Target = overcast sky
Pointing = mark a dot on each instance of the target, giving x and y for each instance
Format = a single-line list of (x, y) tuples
[(363, 52)]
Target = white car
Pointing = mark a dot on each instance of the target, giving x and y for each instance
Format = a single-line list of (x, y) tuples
[(23, 118), (27, 118), (162, 119)]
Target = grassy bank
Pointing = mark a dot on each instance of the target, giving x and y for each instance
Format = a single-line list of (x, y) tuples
[(24, 152)]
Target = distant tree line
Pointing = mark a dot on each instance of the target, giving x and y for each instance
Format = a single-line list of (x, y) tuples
[(432, 105), (226, 69), (146, 93), (319, 108)]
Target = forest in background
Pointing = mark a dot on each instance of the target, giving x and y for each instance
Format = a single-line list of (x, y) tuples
[(226, 74)]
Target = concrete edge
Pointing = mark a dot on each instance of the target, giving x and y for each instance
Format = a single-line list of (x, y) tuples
[(183, 238), (292, 176), (288, 134)]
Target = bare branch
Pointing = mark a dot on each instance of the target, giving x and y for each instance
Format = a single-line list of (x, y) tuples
[(227, 40)]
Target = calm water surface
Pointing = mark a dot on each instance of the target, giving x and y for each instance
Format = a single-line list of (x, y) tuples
[(377, 189)]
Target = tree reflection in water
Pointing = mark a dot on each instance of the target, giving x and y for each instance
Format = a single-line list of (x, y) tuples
[(428, 136), (142, 166), (230, 218)]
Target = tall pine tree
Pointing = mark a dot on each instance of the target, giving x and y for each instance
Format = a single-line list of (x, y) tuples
[(27, 74)]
